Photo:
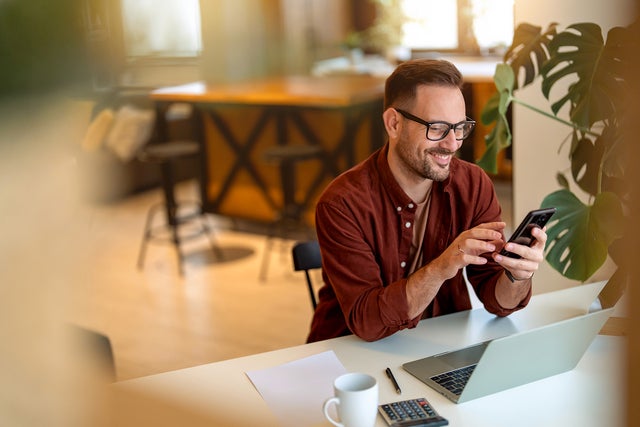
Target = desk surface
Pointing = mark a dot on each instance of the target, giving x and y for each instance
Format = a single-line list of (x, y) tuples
[(335, 91), (221, 394)]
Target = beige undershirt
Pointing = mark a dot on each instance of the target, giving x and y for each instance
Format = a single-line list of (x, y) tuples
[(419, 229)]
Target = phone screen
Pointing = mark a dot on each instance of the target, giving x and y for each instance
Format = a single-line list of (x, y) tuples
[(522, 235)]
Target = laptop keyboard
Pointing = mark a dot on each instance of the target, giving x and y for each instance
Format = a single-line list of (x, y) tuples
[(455, 380)]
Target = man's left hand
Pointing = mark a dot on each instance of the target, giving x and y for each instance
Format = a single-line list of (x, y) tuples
[(524, 268)]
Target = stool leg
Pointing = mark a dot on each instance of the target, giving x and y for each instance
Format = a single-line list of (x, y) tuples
[(265, 259), (146, 234), (268, 245), (209, 231), (171, 209), (288, 180), (176, 243), (289, 216)]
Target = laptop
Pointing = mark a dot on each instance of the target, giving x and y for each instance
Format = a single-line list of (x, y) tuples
[(510, 361)]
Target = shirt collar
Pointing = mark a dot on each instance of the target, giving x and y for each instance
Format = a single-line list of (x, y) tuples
[(397, 194)]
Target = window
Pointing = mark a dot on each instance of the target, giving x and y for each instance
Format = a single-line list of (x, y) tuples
[(161, 28), (431, 24), (461, 25)]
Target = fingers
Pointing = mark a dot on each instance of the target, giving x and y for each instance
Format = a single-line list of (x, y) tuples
[(475, 247), (534, 252), (531, 257), (488, 232), (494, 227), (470, 251), (482, 238)]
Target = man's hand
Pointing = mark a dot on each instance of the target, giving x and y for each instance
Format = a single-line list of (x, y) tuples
[(423, 285), (468, 247), (523, 268)]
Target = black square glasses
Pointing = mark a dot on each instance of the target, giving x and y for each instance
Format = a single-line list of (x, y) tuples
[(437, 131)]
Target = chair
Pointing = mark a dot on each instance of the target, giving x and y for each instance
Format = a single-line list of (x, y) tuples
[(167, 154), (306, 256), (97, 348), (289, 217)]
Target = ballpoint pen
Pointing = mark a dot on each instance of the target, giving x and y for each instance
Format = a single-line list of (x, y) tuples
[(393, 380)]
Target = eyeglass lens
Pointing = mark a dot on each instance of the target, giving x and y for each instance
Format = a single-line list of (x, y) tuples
[(437, 131)]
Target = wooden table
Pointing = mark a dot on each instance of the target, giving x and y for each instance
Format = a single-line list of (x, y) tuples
[(239, 120)]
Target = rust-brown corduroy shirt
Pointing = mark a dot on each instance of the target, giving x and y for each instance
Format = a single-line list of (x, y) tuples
[(364, 223)]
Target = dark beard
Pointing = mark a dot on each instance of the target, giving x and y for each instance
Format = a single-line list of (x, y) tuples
[(433, 171), (424, 169)]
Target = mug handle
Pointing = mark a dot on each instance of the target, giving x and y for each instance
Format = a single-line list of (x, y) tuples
[(325, 408)]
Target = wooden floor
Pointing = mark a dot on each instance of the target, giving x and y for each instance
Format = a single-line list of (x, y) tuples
[(158, 321)]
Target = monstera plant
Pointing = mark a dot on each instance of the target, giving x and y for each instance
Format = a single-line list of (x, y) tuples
[(592, 76)]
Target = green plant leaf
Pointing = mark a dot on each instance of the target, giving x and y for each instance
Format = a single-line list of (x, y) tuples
[(562, 180), (529, 50), (579, 235), (617, 158), (597, 164), (579, 53), (496, 110), (585, 164), (499, 137), (490, 112), (505, 79)]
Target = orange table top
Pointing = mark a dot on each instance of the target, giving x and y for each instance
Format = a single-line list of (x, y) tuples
[(302, 91)]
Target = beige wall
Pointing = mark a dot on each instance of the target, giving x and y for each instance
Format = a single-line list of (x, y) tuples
[(245, 39), (240, 39), (537, 139), (313, 30)]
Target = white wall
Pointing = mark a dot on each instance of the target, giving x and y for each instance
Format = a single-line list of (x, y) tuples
[(536, 139)]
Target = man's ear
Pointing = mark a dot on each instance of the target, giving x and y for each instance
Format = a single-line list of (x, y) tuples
[(391, 122)]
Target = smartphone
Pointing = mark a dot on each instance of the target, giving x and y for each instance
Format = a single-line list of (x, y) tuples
[(522, 235)]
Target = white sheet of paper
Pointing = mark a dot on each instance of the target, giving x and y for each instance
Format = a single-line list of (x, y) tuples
[(296, 391)]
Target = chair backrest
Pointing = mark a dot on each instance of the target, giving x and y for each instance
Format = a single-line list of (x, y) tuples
[(306, 256), (97, 347)]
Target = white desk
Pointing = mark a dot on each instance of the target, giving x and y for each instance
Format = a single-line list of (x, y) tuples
[(220, 394)]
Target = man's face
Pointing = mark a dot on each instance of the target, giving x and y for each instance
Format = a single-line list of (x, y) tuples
[(418, 156)]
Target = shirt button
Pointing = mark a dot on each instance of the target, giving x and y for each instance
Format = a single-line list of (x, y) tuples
[(407, 224), (399, 208), (403, 264), (410, 205)]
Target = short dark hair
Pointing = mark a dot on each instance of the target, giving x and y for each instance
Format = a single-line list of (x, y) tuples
[(400, 87)]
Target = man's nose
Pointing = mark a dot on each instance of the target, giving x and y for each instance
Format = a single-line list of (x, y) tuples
[(450, 142)]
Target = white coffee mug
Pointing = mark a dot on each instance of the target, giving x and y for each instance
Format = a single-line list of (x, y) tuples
[(356, 400)]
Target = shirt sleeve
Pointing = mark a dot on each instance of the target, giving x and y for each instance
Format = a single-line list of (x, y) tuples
[(372, 309)]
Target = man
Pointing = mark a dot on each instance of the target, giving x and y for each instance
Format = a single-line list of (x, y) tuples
[(397, 230)]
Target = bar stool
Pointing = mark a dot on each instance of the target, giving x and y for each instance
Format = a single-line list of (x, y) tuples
[(166, 155), (289, 219)]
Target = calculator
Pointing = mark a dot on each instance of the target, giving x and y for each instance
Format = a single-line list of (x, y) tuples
[(411, 413)]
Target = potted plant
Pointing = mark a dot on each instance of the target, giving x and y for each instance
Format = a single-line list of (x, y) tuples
[(385, 35), (352, 45), (592, 204)]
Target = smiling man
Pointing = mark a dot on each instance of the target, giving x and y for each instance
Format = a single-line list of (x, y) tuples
[(397, 230)]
